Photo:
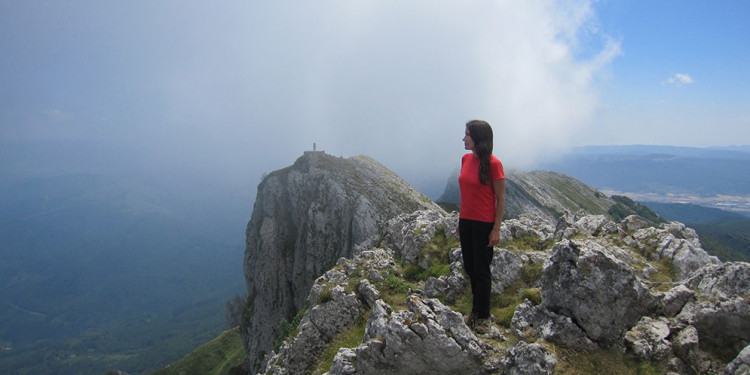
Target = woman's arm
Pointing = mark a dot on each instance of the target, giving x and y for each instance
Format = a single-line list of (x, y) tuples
[(499, 187)]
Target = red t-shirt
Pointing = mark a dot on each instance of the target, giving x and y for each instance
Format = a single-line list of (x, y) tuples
[(478, 201)]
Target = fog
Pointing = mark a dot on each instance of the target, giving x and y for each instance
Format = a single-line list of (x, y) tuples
[(225, 92)]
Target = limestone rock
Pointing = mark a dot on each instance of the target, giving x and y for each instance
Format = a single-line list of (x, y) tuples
[(675, 299), (344, 362), (648, 339), (368, 292), (600, 293), (527, 226), (450, 286), (408, 234), (506, 267), (633, 223), (677, 243), (538, 322), (317, 328), (305, 218), (686, 344), (740, 365), (721, 313), (529, 359), (427, 339)]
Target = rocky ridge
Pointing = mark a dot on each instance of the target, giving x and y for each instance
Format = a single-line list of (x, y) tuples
[(542, 194), (651, 292), (564, 281)]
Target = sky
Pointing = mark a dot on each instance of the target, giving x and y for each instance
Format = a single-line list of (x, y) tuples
[(231, 90)]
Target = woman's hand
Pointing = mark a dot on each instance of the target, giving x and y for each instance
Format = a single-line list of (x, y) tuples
[(494, 238)]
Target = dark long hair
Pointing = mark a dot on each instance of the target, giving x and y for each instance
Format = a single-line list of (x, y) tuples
[(481, 133)]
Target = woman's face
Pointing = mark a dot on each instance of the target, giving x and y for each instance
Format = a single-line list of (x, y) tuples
[(468, 142)]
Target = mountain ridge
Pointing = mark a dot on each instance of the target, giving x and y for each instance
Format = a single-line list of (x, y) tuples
[(658, 263)]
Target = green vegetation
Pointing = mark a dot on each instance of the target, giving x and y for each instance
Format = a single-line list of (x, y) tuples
[(348, 338), (528, 242), (728, 239), (596, 362), (727, 246), (217, 357), (625, 207), (437, 250), (574, 194), (665, 275), (447, 206), (288, 329), (504, 305), (437, 253), (415, 273), (396, 285), (531, 272), (326, 295)]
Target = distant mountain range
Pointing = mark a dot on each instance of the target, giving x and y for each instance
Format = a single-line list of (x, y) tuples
[(660, 170)]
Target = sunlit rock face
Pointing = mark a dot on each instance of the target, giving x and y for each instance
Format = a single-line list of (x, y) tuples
[(305, 217)]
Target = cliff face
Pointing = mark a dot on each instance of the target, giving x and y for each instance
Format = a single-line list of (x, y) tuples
[(305, 218)]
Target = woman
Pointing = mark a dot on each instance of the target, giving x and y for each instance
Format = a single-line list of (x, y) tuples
[(482, 185)]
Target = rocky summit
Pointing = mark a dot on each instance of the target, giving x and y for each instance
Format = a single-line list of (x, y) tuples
[(305, 218), (373, 272)]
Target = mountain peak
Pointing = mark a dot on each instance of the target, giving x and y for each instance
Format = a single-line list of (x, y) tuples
[(307, 216)]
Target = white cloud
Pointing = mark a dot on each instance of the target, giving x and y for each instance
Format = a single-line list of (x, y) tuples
[(398, 80), (680, 79), (259, 82)]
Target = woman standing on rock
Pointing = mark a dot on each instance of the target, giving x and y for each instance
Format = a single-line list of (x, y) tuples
[(482, 184)]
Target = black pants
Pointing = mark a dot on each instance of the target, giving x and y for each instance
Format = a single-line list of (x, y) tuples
[(477, 256)]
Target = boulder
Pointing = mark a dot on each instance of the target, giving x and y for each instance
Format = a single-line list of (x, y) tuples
[(740, 365), (600, 293), (721, 312), (506, 267), (648, 339), (529, 359), (530, 321)]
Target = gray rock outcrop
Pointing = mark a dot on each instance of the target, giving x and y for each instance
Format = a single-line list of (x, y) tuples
[(428, 338), (740, 365), (599, 292), (529, 359), (305, 217)]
